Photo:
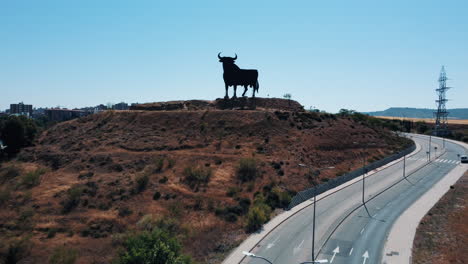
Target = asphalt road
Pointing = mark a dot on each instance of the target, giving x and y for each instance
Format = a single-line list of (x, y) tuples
[(345, 232)]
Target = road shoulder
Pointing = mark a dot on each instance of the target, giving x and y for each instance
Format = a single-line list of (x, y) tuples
[(442, 235)]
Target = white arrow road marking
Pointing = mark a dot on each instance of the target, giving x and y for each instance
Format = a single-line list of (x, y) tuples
[(362, 230), (365, 256), (296, 249), (335, 251), (351, 251)]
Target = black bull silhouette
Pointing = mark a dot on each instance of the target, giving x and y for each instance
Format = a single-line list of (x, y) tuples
[(234, 76)]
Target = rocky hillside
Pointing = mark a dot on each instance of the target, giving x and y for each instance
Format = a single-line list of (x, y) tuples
[(87, 183)]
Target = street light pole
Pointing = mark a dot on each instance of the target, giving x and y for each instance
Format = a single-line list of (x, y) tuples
[(430, 137), (315, 175), (313, 223), (364, 172), (404, 166)]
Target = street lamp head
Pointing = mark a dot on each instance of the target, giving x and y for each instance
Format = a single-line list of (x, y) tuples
[(248, 254)]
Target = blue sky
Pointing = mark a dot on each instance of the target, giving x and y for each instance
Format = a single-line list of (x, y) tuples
[(362, 55)]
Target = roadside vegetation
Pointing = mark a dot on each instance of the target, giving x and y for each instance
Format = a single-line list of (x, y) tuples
[(457, 131)]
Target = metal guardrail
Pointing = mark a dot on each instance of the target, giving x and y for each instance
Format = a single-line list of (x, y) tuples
[(307, 194)]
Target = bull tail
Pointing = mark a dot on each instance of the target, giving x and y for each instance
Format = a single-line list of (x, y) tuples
[(257, 85)]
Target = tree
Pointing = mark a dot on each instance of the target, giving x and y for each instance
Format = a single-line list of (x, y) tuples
[(155, 247), (287, 96), (17, 132)]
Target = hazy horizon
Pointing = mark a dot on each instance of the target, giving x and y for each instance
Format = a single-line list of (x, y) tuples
[(359, 55)]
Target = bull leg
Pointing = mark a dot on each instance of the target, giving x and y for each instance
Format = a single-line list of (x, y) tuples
[(253, 92), (235, 90), (245, 90), (226, 96)]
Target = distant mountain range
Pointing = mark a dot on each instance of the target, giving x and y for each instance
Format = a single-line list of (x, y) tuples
[(456, 113)]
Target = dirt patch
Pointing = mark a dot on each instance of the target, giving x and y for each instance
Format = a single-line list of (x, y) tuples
[(442, 235)]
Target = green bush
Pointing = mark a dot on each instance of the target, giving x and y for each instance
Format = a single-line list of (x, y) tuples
[(155, 247), (73, 198), (276, 198), (258, 215), (247, 169), (195, 177), (32, 178), (63, 255), (158, 165), (171, 163), (141, 182), (124, 211), (156, 195), (233, 191)]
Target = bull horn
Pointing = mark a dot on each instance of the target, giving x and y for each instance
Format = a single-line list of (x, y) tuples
[(236, 56), (219, 57)]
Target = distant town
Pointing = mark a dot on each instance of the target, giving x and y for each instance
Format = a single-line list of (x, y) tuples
[(58, 114)]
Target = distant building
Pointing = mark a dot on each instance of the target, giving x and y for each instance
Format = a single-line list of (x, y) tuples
[(121, 106), (59, 115), (21, 109), (100, 108)]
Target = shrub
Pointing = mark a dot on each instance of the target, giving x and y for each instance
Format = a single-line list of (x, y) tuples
[(244, 203), (247, 169), (194, 177), (17, 250), (230, 213), (141, 182), (51, 232), (4, 195), (73, 198), (276, 198), (32, 178), (163, 180), (257, 216), (63, 255), (158, 165), (155, 247), (232, 191), (171, 163), (124, 211), (156, 196)]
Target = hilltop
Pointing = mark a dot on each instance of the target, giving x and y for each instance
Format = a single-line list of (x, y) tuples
[(88, 183)]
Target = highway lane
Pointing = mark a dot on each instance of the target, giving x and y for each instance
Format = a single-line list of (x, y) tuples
[(291, 241), (363, 238)]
